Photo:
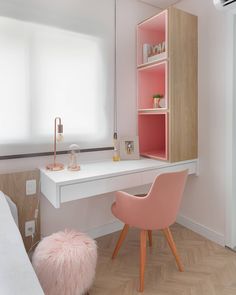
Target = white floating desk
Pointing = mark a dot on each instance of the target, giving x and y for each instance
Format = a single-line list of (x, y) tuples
[(104, 177)]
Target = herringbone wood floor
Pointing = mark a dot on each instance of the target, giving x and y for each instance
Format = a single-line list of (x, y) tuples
[(209, 269)]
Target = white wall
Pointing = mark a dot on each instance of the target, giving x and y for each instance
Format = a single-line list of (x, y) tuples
[(94, 214), (231, 204), (203, 207), (130, 13), (230, 218)]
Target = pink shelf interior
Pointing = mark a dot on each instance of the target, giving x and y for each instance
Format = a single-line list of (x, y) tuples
[(155, 155), (151, 80), (153, 135), (152, 31)]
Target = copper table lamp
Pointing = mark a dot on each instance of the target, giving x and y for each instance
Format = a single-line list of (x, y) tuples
[(58, 136)]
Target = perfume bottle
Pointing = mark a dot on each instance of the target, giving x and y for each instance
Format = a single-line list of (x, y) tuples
[(73, 158), (116, 154)]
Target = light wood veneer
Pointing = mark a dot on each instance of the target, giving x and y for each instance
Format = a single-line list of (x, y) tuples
[(14, 185)]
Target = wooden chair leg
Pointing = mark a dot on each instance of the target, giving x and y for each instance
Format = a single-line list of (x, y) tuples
[(120, 240), (150, 238), (172, 245), (143, 243)]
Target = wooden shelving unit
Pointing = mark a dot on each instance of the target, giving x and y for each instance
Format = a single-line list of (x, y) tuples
[(169, 132)]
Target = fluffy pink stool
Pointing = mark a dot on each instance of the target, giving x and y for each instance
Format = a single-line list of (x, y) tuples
[(65, 263)]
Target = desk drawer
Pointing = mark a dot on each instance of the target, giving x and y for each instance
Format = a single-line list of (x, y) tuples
[(149, 176), (97, 187)]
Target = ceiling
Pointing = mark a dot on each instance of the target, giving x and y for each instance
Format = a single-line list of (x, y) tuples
[(161, 3), (158, 3)]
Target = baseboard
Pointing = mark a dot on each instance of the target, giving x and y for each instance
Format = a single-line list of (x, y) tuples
[(183, 220), (201, 230), (105, 229)]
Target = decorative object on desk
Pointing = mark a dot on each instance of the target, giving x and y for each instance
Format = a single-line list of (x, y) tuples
[(146, 52), (157, 101), (116, 155), (58, 136), (65, 263), (157, 52), (73, 158), (129, 148)]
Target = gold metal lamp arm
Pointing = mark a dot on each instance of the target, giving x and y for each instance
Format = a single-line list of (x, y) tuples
[(58, 128)]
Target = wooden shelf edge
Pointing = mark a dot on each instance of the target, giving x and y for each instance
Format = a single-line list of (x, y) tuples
[(152, 111), (155, 156), (152, 63)]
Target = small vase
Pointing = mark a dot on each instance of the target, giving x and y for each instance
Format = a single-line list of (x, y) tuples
[(156, 103)]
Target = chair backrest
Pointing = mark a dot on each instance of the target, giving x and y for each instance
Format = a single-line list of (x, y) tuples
[(164, 198)]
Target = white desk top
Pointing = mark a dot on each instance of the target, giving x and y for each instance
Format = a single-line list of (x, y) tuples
[(102, 177), (106, 169)]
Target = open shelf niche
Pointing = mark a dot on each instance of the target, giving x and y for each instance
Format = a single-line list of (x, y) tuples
[(153, 135), (152, 80), (150, 33)]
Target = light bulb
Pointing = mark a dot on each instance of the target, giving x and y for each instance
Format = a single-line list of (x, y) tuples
[(60, 137)]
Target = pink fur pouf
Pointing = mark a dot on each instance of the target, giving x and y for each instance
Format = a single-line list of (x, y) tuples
[(65, 263)]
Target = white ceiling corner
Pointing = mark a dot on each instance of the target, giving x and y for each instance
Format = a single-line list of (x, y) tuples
[(161, 3)]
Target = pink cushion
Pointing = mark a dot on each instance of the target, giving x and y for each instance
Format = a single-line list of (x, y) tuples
[(65, 263)]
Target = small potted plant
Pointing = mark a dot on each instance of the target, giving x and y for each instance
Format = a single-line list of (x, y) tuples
[(156, 100)]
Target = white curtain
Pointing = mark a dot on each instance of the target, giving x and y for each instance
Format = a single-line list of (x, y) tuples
[(47, 72)]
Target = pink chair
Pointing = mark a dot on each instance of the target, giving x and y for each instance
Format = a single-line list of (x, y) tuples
[(156, 210)]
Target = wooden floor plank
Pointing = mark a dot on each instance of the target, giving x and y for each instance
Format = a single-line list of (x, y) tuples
[(209, 268)]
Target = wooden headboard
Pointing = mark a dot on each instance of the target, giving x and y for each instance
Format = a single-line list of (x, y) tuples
[(14, 185)]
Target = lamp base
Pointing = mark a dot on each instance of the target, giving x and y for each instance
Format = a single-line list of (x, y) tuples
[(55, 167), (74, 168)]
